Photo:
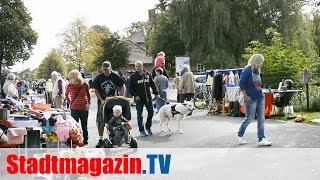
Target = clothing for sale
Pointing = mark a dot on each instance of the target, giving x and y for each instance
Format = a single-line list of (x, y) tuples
[(140, 86), (226, 79), (217, 87), (231, 78), (16, 135), (236, 79), (232, 94), (107, 85)]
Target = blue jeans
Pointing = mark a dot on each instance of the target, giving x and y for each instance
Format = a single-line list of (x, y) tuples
[(257, 106), (161, 102), (149, 107)]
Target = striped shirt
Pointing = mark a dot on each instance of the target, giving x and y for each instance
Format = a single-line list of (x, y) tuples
[(82, 99)]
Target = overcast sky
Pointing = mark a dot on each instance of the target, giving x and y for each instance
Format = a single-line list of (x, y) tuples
[(51, 17)]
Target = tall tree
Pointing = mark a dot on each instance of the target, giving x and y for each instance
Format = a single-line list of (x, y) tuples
[(96, 35), (75, 44), (134, 28), (162, 6), (53, 62), (216, 32), (17, 38), (283, 59), (81, 45), (115, 50)]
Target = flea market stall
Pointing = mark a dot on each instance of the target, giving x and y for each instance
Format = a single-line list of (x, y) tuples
[(34, 124), (227, 98)]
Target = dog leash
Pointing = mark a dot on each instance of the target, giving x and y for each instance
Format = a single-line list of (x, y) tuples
[(167, 102)]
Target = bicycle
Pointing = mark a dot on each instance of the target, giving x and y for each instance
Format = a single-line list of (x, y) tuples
[(203, 98)]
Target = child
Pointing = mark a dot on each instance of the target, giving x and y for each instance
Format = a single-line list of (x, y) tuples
[(117, 127)]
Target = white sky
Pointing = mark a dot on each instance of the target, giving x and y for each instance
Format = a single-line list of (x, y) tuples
[(51, 17)]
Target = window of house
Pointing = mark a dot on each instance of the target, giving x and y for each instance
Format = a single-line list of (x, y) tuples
[(200, 68)]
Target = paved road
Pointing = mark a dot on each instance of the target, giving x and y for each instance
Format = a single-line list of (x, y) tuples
[(207, 131)]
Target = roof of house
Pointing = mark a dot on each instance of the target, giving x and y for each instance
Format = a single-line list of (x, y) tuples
[(140, 35), (138, 51)]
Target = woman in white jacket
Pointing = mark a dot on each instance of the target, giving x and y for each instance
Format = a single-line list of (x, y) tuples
[(9, 87)]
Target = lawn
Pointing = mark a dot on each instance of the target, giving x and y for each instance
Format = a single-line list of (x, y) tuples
[(307, 115)]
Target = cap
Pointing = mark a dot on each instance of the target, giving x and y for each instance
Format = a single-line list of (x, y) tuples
[(106, 65)]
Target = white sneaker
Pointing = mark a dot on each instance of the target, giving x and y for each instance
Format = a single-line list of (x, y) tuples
[(241, 140), (264, 142)]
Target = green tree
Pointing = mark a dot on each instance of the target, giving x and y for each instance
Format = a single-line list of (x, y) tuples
[(75, 44), (96, 35), (81, 45), (283, 59), (17, 38), (165, 36), (115, 50), (134, 28), (162, 6), (53, 62), (216, 32)]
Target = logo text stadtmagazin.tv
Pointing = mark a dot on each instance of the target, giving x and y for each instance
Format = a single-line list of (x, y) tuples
[(93, 166)]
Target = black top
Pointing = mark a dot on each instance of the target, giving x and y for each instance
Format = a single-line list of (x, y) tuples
[(107, 85), (116, 121), (140, 87)]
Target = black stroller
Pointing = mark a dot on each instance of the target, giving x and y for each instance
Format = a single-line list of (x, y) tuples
[(126, 112)]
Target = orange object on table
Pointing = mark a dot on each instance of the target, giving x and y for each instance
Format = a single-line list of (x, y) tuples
[(42, 107), (268, 98)]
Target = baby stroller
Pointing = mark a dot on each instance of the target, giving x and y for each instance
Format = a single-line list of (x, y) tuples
[(126, 112)]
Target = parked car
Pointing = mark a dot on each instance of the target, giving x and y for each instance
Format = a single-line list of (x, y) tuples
[(200, 80)]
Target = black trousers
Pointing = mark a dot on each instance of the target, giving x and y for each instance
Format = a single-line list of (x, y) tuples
[(149, 107), (83, 116)]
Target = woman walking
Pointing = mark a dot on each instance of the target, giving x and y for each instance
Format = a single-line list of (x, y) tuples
[(250, 86)]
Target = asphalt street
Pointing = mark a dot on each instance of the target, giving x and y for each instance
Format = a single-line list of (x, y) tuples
[(215, 131)]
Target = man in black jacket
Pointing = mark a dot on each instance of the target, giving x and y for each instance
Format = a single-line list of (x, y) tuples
[(140, 83)]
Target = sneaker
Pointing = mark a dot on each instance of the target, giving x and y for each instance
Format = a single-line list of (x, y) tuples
[(149, 132), (264, 142), (241, 140), (143, 134), (100, 144)]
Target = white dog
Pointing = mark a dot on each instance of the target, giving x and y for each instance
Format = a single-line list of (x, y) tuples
[(176, 111)]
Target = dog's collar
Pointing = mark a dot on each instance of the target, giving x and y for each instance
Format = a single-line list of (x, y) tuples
[(174, 111)]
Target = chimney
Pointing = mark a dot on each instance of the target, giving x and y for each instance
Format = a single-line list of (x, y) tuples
[(152, 14)]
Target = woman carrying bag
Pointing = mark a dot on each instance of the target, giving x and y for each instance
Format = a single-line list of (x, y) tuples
[(78, 96)]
